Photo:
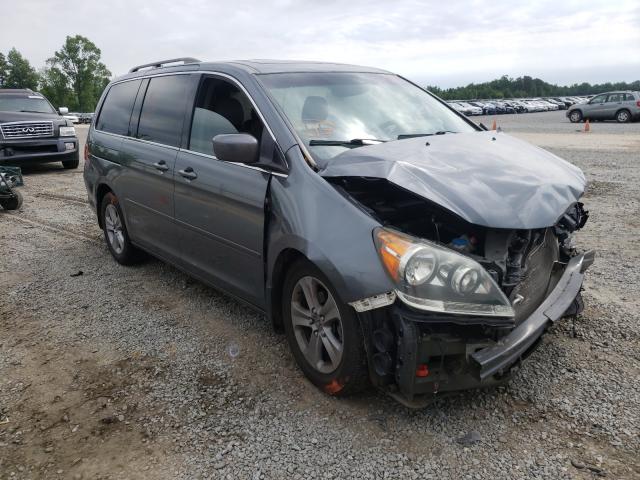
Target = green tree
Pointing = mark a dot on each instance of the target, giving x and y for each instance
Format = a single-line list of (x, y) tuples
[(86, 76), (4, 69), (19, 72), (55, 86)]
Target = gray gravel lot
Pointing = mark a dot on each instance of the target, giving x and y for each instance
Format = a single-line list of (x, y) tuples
[(142, 372)]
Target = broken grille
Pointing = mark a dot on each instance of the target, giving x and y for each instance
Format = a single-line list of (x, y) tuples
[(26, 129)]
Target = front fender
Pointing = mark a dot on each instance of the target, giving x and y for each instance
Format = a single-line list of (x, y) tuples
[(308, 215)]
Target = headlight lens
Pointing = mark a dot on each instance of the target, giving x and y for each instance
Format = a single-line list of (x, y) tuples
[(431, 277), (67, 132)]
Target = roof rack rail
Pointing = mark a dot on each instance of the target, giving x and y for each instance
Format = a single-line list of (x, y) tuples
[(163, 63)]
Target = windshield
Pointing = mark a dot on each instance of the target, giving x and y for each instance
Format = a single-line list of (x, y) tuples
[(355, 109), (33, 104)]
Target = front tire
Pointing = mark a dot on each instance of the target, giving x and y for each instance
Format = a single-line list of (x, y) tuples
[(115, 232), (72, 163), (623, 116), (323, 333), (575, 116)]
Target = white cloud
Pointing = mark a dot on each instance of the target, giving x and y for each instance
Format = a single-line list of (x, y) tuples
[(435, 43)]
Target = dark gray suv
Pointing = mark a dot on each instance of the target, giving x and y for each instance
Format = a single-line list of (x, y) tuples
[(31, 131), (393, 241)]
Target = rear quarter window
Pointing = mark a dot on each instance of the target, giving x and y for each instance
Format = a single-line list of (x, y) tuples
[(118, 105), (162, 112)]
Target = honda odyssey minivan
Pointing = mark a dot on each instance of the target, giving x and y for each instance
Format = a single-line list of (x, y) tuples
[(392, 240)]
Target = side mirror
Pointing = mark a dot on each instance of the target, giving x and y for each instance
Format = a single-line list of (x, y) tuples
[(236, 148), (63, 110)]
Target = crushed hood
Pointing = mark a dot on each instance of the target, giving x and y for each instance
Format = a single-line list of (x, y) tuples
[(487, 178)]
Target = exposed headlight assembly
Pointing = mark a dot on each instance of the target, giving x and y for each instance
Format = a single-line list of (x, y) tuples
[(431, 277), (67, 132)]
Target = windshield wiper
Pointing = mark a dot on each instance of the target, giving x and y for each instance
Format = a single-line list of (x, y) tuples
[(31, 111), (354, 142), (414, 135)]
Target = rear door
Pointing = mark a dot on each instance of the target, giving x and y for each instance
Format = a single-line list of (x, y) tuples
[(150, 156), (612, 105), (220, 206)]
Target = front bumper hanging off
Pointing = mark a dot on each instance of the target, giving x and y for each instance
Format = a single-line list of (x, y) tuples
[(435, 358)]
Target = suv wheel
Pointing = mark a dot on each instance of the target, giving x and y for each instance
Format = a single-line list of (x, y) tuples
[(323, 333), (73, 162), (115, 232), (575, 116), (623, 116)]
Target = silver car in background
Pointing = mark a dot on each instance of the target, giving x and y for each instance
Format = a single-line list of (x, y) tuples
[(620, 106)]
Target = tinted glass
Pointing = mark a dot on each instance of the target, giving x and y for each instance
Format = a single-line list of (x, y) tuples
[(615, 97), (629, 97), (598, 99), (221, 108), (116, 110), (162, 112), (29, 103)]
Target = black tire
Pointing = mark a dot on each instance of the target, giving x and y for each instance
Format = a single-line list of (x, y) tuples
[(73, 162), (575, 116), (12, 203), (623, 116), (124, 252), (351, 375)]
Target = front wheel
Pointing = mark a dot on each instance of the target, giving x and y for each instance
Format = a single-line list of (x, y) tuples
[(575, 116), (323, 333), (73, 162), (623, 116)]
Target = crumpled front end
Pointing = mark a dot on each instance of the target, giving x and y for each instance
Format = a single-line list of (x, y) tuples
[(415, 353)]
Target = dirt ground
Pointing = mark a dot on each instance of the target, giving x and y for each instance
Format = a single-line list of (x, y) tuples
[(109, 372)]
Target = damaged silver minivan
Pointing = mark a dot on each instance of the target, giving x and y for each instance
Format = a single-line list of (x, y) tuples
[(395, 242)]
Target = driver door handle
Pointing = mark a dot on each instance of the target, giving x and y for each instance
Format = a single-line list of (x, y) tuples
[(161, 166), (188, 173)]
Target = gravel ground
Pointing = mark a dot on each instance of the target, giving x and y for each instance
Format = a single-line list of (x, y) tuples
[(141, 372)]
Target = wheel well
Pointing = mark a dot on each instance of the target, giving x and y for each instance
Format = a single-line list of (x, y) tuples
[(103, 189), (283, 263)]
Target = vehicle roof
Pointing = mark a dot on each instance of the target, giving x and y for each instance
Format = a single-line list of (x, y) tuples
[(256, 67)]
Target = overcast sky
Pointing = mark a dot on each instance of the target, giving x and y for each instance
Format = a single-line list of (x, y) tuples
[(437, 43)]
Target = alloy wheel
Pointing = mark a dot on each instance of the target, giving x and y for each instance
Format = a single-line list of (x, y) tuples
[(317, 324), (623, 116), (113, 226)]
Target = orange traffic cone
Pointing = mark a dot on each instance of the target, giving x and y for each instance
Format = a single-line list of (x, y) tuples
[(587, 127), (494, 126)]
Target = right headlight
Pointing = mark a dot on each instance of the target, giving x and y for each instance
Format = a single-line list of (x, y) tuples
[(67, 132), (428, 276)]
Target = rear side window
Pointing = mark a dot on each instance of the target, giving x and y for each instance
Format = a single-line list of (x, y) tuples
[(162, 112), (116, 110), (629, 97)]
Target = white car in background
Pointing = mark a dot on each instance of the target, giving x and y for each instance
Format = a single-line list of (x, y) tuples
[(472, 109), (72, 117)]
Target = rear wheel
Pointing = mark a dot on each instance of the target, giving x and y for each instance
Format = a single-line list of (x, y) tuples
[(323, 333), (575, 116), (13, 203), (73, 162), (115, 232), (623, 116)]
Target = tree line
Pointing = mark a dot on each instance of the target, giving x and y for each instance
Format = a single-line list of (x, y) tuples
[(73, 77), (524, 87)]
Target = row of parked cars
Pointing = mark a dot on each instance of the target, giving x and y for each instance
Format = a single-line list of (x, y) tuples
[(621, 106), (492, 107), (79, 117)]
